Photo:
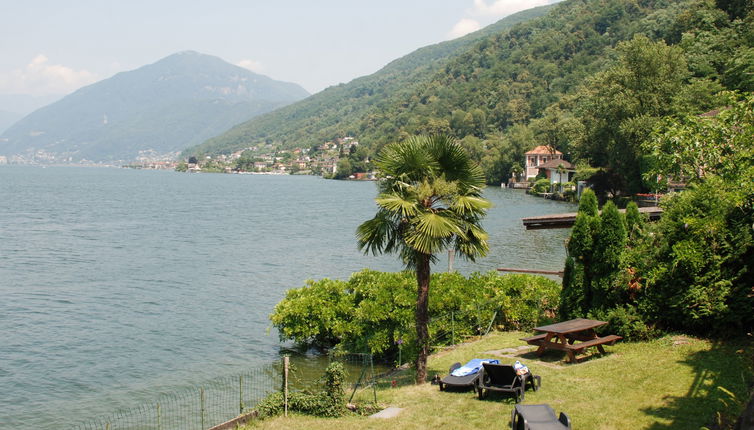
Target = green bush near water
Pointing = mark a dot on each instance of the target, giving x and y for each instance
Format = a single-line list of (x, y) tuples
[(374, 311), (328, 402), (541, 186)]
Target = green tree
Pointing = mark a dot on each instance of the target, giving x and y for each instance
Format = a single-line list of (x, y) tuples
[(634, 221), (246, 161), (344, 168), (735, 8), (576, 295), (692, 147), (588, 203), (430, 200), (571, 295), (181, 167), (609, 243), (621, 106), (556, 129), (700, 263)]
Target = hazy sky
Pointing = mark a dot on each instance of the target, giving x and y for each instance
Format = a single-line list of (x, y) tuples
[(56, 46)]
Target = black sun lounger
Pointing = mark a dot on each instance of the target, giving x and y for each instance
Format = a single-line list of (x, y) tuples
[(502, 378), (463, 382), (538, 417)]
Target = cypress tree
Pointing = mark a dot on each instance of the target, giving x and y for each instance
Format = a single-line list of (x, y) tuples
[(588, 203), (576, 293), (580, 243), (634, 221), (608, 246), (572, 294)]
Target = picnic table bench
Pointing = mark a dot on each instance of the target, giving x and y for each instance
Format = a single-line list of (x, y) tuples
[(563, 336)]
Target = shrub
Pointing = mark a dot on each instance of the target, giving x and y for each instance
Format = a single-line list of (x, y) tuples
[(576, 294), (311, 313), (609, 244), (327, 402), (698, 275), (541, 186), (373, 310), (572, 293), (569, 191), (691, 271), (625, 321), (524, 300), (634, 221), (588, 203)]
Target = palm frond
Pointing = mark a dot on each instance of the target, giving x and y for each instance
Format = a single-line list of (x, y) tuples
[(426, 244), (470, 205), (377, 234), (473, 243), (436, 225), (397, 204), (430, 199), (407, 158)]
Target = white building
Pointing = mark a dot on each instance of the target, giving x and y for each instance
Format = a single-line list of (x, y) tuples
[(539, 156)]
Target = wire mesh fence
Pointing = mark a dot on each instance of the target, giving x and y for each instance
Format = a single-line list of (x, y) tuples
[(223, 399), (201, 408), (363, 374), (457, 326), (470, 321)]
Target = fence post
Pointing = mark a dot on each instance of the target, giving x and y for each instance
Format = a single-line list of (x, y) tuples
[(201, 397), (374, 380), (159, 417), (240, 394), (478, 320), (452, 328), (285, 384), (492, 321)]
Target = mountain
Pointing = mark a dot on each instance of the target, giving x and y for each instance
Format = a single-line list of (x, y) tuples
[(8, 118), (161, 108), (13, 107), (506, 90), (24, 104), (337, 111)]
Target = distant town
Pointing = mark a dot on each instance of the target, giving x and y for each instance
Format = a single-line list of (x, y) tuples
[(341, 158)]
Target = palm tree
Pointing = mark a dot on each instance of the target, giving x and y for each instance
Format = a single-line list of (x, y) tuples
[(560, 169), (429, 200)]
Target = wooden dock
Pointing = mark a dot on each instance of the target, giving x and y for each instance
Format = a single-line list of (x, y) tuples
[(566, 220), (538, 272)]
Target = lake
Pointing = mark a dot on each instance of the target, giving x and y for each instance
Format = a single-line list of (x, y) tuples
[(118, 285)]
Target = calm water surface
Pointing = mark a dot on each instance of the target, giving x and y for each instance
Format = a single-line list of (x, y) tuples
[(118, 285)]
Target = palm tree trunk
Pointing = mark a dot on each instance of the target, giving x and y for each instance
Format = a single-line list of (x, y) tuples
[(422, 317)]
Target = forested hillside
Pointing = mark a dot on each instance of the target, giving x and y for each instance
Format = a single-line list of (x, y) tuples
[(339, 111), (591, 79)]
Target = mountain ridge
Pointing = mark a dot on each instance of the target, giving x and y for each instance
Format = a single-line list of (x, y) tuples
[(294, 124), (173, 103)]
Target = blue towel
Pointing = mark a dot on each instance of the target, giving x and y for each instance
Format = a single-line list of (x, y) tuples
[(473, 366)]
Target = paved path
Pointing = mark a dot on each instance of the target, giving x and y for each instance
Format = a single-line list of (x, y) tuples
[(390, 412)]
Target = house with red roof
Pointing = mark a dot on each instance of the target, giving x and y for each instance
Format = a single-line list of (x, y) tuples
[(538, 157), (558, 171)]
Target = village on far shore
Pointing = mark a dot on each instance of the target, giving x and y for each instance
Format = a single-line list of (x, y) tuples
[(333, 157), (339, 159)]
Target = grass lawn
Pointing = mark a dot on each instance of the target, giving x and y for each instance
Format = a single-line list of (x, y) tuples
[(669, 383)]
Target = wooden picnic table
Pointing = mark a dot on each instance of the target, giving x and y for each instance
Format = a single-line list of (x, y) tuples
[(572, 336)]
